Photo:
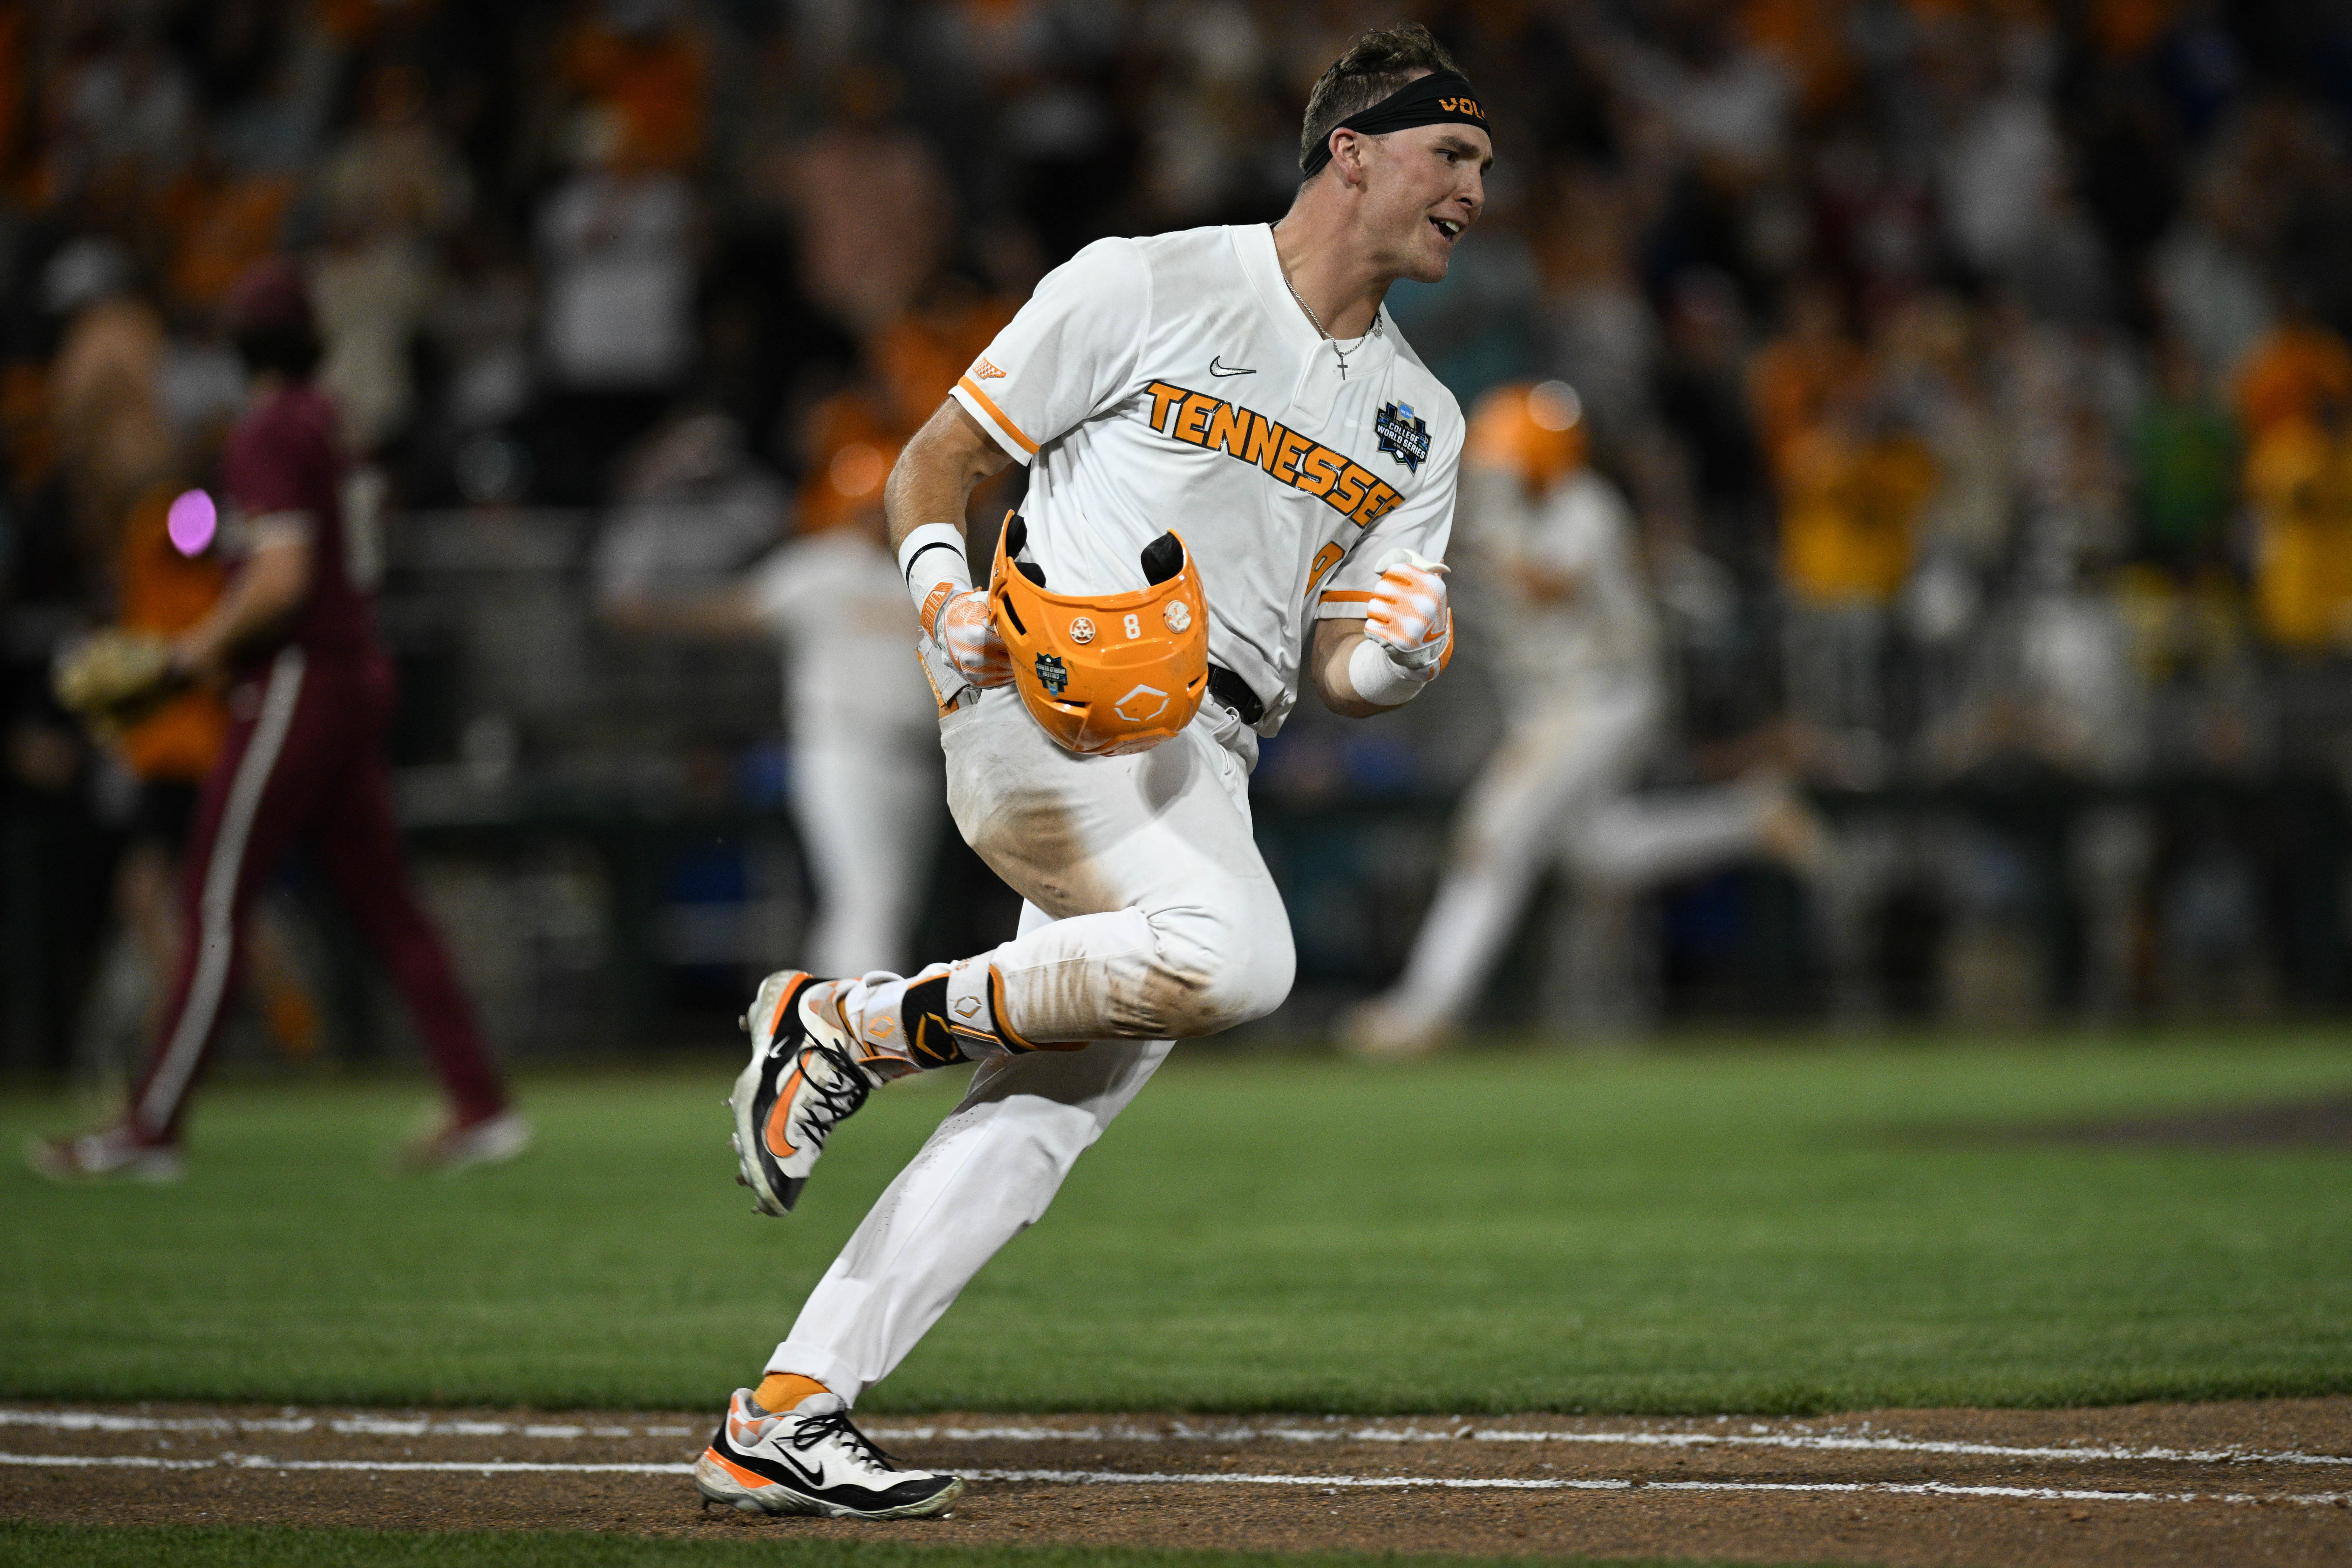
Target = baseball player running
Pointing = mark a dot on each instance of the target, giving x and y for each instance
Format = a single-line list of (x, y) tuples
[(866, 747), (1584, 678), (310, 694), (1240, 477)]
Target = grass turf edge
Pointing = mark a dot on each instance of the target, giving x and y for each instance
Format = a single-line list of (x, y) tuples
[(286, 1546)]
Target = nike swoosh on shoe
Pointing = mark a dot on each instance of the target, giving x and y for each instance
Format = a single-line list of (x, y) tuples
[(780, 1119)]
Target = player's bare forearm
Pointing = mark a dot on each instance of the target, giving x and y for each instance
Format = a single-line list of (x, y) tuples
[(935, 475), (270, 588), (1327, 664)]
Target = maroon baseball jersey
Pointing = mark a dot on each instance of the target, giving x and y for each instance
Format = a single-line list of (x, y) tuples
[(283, 458)]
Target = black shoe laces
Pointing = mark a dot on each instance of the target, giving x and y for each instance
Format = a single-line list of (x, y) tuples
[(829, 1104), (815, 1429)]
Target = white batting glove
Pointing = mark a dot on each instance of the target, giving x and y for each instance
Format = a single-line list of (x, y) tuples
[(964, 628), (1407, 631), (1408, 616)]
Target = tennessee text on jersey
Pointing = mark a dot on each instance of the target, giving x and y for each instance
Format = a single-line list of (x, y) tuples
[(1215, 425)]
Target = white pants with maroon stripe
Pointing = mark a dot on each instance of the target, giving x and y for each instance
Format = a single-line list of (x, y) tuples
[(1148, 917)]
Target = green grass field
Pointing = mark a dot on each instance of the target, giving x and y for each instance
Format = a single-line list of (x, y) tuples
[(1744, 1228)]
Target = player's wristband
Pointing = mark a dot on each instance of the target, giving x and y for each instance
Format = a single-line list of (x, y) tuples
[(932, 560), (1379, 680)]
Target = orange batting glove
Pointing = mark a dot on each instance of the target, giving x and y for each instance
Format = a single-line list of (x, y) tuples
[(961, 623)]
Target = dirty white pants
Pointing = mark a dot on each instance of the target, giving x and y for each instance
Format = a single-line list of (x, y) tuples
[(1148, 917)]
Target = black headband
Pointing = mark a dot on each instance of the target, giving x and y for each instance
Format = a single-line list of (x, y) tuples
[(1441, 97)]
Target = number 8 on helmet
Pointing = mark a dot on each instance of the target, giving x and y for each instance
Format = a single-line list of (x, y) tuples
[(1109, 674)]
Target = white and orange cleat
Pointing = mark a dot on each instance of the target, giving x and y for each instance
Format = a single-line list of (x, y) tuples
[(811, 1460), (802, 1081)]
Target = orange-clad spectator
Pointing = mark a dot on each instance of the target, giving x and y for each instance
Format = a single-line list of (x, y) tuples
[(1850, 506), (2299, 483), (110, 429), (1796, 376), (164, 589), (1809, 38), (889, 215), (854, 435), (354, 22), (2126, 29), (2291, 370), (918, 357), (653, 77), (222, 227), (852, 442)]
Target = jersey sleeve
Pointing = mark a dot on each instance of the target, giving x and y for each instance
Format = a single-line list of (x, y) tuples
[(1424, 524), (273, 467), (1069, 353)]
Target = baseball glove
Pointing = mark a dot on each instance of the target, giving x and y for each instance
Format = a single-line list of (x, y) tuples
[(116, 679)]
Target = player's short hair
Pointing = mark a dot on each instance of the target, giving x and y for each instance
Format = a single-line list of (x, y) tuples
[(1373, 67)]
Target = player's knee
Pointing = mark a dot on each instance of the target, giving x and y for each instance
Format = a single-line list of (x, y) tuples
[(1218, 974)]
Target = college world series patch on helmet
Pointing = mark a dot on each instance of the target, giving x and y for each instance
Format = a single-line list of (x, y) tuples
[(1401, 435), (1052, 673)]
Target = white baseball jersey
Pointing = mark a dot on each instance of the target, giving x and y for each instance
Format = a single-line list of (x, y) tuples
[(1606, 631), (1172, 383), (837, 604)]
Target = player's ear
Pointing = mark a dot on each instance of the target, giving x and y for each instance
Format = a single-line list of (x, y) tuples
[(1347, 155)]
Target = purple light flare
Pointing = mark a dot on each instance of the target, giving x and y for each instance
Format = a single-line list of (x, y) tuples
[(192, 522)]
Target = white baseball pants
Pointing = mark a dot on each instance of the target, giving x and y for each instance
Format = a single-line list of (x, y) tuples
[(867, 806), (1554, 791), (1149, 918)]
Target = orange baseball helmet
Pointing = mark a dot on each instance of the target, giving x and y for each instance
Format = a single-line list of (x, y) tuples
[(1533, 430), (1113, 674)]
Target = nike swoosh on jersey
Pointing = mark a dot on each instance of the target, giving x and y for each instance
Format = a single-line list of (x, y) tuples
[(1217, 368)]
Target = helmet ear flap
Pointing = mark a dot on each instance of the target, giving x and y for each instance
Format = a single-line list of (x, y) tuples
[(1163, 559), (1016, 540), (1108, 674)]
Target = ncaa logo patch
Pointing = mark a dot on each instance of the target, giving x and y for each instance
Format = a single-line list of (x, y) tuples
[(1401, 435), (1053, 674)]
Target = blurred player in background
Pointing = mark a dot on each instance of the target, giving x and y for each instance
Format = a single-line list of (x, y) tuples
[(1576, 638), (1240, 481), (865, 777), (866, 773), (166, 589), (310, 695)]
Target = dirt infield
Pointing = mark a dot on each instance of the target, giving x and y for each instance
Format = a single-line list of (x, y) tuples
[(2204, 1484)]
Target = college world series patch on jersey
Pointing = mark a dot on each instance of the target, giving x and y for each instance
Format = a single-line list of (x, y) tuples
[(1401, 435)]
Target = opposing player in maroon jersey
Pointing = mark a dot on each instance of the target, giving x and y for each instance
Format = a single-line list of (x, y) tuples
[(310, 691)]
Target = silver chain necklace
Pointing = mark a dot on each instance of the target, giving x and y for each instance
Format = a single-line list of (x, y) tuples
[(1319, 327)]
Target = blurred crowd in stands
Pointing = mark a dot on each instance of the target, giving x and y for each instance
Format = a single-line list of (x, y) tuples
[(1977, 369)]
